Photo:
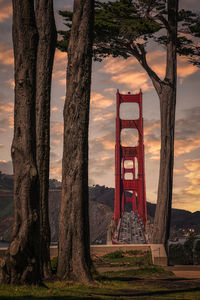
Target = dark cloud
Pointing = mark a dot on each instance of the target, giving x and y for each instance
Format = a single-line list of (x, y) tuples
[(100, 124), (100, 167), (193, 113), (189, 126), (191, 5), (53, 155), (152, 137), (6, 32), (56, 133), (4, 123)]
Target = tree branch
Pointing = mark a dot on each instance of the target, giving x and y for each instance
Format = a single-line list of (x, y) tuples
[(139, 52)]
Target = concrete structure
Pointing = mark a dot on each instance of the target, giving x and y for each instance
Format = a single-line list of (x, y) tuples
[(159, 256), (158, 252)]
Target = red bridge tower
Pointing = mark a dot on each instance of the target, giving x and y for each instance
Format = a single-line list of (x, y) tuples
[(122, 154)]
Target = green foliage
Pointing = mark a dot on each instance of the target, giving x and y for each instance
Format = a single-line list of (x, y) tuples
[(177, 255), (6, 182), (184, 254), (6, 206), (136, 252), (119, 25), (116, 254), (195, 29), (197, 252), (54, 264), (116, 25), (125, 258)]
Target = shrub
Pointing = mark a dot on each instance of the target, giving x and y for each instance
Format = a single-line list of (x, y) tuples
[(197, 253), (178, 255), (54, 264), (116, 254)]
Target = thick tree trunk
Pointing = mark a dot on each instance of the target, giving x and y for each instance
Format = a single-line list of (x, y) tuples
[(45, 55), (167, 95), (22, 263), (74, 247)]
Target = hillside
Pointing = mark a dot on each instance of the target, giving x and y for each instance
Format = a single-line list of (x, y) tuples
[(101, 207)]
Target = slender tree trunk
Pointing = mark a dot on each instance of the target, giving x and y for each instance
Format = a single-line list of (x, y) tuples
[(167, 95), (22, 263), (45, 55), (74, 246), (164, 201)]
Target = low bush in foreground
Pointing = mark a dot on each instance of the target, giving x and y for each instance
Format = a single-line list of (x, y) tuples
[(129, 258)]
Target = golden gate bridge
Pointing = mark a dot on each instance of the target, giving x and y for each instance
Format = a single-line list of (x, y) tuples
[(129, 227)]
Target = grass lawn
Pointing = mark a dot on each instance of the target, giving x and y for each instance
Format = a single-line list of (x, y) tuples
[(143, 281)]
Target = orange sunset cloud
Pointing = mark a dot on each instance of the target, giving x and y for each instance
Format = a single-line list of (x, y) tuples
[(133, 80), (60, 58), (130, 73), (190, 189), (56, 172), (57, 128), (54, 108), (118, 65), (153, 148), (11, 83), (6, 56), (99, 101), (106, 141), (193, 175), (5, 10), (11, 121), (186, 146), (103, 117), (7, 108), (108, 145), (59, 69), (150, 126), (181, 147), (157, 60)]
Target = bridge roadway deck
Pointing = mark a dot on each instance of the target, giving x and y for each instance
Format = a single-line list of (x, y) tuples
[(131, 229)]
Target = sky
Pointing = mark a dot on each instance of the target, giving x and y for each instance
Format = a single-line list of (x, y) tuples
[(107, 77)]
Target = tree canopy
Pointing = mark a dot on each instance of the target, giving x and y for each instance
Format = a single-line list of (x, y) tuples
[(125, 28)]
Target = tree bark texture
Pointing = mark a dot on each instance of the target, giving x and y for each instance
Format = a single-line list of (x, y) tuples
[(45, 55), (167, 95), (74, 246), (22, 263), (34, 39)]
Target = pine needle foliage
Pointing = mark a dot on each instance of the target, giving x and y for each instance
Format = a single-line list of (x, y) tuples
[(123, 27)]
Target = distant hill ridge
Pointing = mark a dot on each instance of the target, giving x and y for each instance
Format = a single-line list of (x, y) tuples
[(101, 207)]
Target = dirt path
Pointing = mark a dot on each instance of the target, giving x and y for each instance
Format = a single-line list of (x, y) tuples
[(190, 272), (118, 268)]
